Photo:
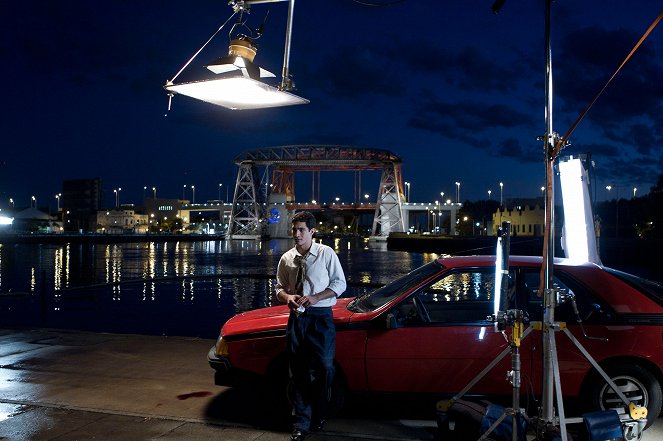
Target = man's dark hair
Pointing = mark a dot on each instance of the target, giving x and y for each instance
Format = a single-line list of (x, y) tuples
[(305, 216)]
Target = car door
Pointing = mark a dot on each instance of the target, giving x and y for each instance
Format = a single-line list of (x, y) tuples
[(438, 338)]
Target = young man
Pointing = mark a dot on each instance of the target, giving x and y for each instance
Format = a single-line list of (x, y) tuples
[(309, 278)]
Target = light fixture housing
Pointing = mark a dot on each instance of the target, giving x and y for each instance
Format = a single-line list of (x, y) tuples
[(245, 91), (236, 93), (578, 234)]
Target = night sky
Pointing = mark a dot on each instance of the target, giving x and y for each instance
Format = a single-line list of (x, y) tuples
[(453, 89)]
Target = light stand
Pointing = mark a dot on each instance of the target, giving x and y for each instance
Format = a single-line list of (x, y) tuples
[(552, 296)]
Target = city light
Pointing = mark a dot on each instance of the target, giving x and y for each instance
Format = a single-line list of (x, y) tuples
[(501, 192), (457, 192)]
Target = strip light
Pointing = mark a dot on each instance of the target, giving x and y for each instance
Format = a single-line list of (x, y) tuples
[(578, 234)]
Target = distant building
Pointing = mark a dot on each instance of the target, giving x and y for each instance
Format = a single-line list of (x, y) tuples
[(33, 220), (525, 221), (160, 211), (121, 221), (81, 199)]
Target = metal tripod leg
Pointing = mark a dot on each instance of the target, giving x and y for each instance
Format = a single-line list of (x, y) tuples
[(487, 369), (558, 385), (593, 362)]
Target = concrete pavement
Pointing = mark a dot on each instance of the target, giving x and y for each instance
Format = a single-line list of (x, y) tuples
[(64, 385)]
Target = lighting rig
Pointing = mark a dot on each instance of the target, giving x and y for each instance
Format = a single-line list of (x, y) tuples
[(239, 83)]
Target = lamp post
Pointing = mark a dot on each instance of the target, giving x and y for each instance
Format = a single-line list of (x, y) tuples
[(11, 202), (457, 192), (144, 190), (183, 189), (634, 190), (407, 192), (59, 195), (154, 192), (193, 194), (501, 192), (489, 193), (117, 197), (442, 195), (220, 185), (34, 199)]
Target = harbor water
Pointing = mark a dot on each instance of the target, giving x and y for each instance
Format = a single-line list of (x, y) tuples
[(167, 288)]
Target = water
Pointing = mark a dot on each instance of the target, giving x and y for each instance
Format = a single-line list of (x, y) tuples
[(172, 288)]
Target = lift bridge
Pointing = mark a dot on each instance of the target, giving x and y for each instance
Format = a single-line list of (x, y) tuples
[(265, 188)]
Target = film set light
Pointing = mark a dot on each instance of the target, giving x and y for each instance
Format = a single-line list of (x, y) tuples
[(240, 84), (579, 235)]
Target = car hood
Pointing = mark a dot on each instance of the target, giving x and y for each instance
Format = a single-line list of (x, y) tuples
[(274, 318)]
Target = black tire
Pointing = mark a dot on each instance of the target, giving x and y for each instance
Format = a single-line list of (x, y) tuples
[(636, 382)]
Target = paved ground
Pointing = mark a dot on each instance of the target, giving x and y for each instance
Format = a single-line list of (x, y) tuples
[(62, 385)]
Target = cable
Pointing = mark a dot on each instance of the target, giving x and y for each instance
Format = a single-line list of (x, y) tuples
[(561, 142), (203, 47)]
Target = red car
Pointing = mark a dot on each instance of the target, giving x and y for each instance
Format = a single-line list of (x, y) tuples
[(429, 332)]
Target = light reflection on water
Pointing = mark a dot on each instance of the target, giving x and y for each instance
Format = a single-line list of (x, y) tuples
[(173, 288)]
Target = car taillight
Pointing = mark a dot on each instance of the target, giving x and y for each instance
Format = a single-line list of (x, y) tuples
[(221, 347)]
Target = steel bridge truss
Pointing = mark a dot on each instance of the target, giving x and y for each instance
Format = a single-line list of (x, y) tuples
[(247, 217)]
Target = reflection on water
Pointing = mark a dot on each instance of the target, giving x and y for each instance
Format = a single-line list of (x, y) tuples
[(176, 288)]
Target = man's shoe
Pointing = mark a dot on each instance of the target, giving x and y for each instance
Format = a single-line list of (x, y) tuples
[(298, 435), (318, 425)]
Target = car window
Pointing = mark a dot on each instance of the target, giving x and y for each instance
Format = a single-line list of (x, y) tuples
[(380, 297), (462, 296), (590, 308)]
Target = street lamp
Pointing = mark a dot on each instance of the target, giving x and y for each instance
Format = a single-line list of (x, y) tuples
[(442, 195), (57, 196), (144, 190), (457, 192), (489, 192), (542, 189), (154, 192), (35, 201), (193, 194), (634, 190), (117, 197), (407, 193), (501, 192), (366, 196), (220, 185), (183, 189), (11, 201)]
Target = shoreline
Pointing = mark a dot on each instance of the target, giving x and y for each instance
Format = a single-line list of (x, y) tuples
[(105, 238)]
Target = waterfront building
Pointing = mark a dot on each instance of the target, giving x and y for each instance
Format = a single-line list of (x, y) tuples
[(525, 220), (121, 221)]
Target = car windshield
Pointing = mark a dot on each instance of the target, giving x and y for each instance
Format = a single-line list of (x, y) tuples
[(380, 297), (653, 290)]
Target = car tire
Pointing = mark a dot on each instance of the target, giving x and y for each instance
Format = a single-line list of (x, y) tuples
[(635, 381)]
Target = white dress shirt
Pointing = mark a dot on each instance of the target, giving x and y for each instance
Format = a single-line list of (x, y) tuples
[(323, 270)]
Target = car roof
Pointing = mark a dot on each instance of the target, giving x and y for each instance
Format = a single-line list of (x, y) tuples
[(489, 260)]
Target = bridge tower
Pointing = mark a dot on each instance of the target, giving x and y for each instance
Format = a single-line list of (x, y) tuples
[(246, 217), (389, 209)]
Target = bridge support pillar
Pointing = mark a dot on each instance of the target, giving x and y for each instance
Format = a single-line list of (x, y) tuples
[(389, 211), (246, 217)]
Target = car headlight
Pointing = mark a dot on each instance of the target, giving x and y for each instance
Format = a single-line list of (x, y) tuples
[(221, 347)]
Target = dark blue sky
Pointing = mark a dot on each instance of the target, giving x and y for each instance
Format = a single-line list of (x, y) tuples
[(456, 91)]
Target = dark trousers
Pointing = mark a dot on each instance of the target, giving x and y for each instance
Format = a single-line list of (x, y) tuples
[(311, 339)]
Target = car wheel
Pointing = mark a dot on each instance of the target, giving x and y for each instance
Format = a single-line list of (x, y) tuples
[(638, 385)]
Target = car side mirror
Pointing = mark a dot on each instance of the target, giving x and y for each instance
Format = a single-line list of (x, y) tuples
[(392, 323)]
